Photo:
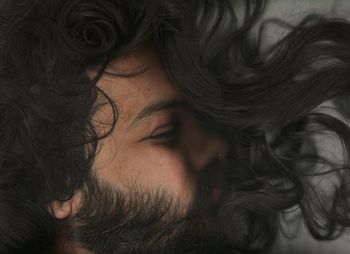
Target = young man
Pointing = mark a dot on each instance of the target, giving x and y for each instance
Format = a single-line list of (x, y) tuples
[(149, 172), (159, 126), (101, 153)]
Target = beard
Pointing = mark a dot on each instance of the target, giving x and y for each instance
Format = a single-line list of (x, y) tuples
[(111, 221)]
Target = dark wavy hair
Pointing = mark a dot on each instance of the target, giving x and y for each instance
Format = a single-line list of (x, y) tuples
[(267, 104), (262, 101)]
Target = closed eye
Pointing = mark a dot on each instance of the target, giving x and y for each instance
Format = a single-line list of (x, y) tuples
[(168, 135)]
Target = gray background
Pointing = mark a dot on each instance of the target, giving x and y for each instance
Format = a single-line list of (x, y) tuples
[(293, 11)]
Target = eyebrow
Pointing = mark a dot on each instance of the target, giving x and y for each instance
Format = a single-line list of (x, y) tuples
[(154, 107)]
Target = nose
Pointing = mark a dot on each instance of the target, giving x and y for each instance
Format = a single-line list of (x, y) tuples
[(203, 147)]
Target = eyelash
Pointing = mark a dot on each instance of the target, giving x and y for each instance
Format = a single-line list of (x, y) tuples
[(169, 135)]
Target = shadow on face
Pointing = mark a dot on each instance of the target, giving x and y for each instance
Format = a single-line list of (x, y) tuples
[(157, 169)]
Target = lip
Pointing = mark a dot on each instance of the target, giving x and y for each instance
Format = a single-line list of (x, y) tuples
[(213, 180), (215, 193)]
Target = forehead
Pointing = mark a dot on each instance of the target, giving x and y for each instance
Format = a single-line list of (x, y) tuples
[(133, 93)]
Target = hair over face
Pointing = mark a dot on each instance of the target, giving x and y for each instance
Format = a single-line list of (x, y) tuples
[(47, 102)]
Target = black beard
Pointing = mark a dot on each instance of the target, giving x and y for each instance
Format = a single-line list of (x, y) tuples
[(112, 222)]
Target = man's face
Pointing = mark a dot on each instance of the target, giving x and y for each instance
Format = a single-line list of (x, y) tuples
[(158, 152), (158, 144)]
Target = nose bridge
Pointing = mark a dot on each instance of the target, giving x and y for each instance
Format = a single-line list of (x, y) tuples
[(203, 147)]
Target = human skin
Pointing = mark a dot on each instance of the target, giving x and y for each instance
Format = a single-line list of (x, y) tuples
[(130, 157)]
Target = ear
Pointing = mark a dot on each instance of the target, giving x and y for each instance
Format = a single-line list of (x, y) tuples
[(64, 209)]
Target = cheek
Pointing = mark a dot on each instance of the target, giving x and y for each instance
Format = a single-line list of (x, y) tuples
[(161, 168), (149, 166)]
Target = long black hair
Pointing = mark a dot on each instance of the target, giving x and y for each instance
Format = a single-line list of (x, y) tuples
[(262, 102), (266, 102)]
